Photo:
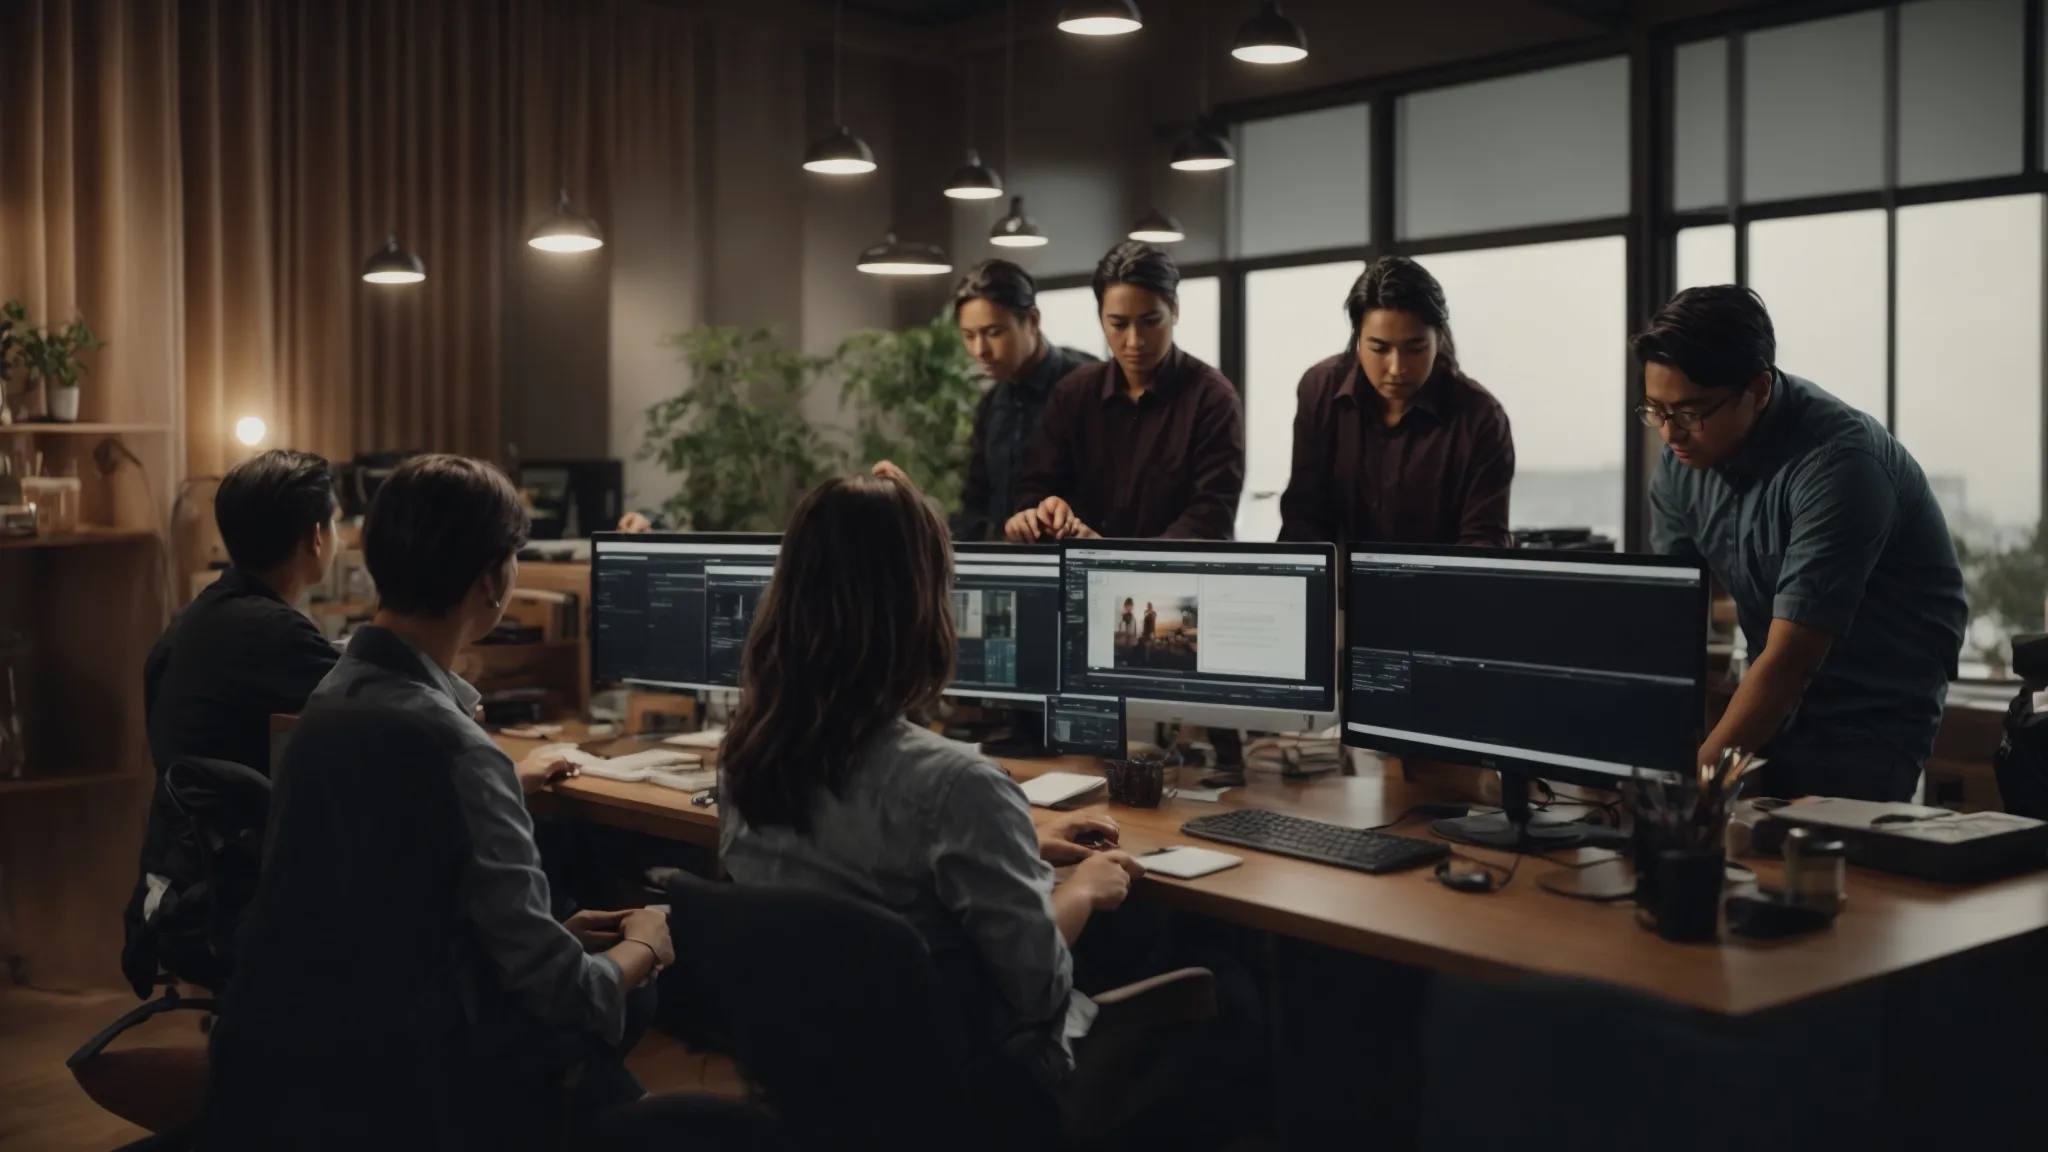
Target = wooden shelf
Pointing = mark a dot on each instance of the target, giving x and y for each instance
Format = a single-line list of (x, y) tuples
[(52, 782), (80, 537), (112, 429)]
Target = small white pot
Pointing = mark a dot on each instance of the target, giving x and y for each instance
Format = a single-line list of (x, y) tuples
[(64, 405)]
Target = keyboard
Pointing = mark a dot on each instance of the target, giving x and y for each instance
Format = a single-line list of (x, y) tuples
[(1353, 848)]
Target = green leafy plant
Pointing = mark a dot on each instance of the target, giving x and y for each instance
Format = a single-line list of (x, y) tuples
[(50, 354), (736, 435), (2009, 586), (13, 320), (915, 394)]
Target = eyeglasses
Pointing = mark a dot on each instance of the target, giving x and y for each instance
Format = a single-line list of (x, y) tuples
[(1685, 419)]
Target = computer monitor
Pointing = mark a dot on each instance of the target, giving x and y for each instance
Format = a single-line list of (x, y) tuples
[(572, 499), (1583, 669), (1006, 615), (1223, 635), (672, 609)]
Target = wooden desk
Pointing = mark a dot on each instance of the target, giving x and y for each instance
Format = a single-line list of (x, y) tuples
[(1891, 924)]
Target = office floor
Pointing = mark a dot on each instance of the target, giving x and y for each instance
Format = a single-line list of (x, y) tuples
[(42, 1108)]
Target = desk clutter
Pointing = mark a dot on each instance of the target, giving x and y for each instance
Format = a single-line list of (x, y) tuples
[(682, 771)]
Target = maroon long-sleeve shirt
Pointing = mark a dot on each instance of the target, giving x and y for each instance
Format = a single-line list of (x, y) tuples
[(1170, 464), (1440, 476)]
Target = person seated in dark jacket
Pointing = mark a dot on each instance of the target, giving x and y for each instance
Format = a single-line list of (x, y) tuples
[(441, 543), (237, 654)]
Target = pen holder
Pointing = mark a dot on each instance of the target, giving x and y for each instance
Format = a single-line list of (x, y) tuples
[(1685, 898), (1136, 783)]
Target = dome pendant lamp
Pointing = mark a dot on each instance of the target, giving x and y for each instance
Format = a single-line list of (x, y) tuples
[(566, 230), (840, 153), (1156, 227), (893, 257), (393, 265), (1270, 38), (1014, 230), (1203, 149), (1118, 18)]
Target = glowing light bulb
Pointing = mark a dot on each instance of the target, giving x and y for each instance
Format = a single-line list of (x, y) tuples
[(251, 430)]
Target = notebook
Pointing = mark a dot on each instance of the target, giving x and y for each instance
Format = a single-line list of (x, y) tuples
[(1186, 862), (1054, 788)]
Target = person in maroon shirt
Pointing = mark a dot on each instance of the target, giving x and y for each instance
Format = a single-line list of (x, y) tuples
[(1149, 444), (1393, 444)]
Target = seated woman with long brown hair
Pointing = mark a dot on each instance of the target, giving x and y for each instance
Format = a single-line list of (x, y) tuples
[(826, 784)]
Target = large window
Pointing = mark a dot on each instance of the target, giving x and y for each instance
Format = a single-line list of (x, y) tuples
[(1293, 318), (1068, 318), (1544, 327), (1823, 279), (1890, 221)]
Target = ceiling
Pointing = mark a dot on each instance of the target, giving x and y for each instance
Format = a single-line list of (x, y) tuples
[(923, 13)]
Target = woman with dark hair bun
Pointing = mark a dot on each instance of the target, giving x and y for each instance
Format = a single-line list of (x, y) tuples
[(996, 306), (1150, 444), (1393, 443)]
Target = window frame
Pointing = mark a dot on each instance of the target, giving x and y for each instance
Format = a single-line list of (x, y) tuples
[(1651, 226)]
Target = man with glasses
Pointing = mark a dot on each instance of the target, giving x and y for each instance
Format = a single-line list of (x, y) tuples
[(1824, 530)]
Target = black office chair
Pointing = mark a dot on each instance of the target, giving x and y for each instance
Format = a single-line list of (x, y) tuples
[(836, 1014), (855, 1035)]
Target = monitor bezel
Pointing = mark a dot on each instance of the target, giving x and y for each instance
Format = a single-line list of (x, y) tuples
[(995, 550), (1218, 713), (1534, 769), (597, 540)]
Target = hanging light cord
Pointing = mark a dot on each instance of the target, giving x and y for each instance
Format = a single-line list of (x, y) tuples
[(1010, 87), (1202, 74), (838, 38)]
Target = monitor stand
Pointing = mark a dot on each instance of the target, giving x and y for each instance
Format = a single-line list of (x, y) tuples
[(1519, 828), (1015, 738)]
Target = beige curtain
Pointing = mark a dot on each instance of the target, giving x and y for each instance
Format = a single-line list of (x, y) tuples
[(89, 197), (203, 180)]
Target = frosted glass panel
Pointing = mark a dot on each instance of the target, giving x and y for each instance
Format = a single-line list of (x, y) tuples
[(1813, 108), (1970, 359), (1068, 318), (1558, 369), (1699, 176), (1293, 317), (1200, 330), (1538, 148), (1706, 256), (1301, 182), (1822, 278), (1960, 89)]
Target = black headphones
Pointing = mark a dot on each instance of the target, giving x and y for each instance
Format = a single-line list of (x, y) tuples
[(1477, 880)]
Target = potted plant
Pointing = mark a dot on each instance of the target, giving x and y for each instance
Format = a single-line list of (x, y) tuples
[(12, 317), (50, 357), (736, 437), (2008, 592), (916, 394)]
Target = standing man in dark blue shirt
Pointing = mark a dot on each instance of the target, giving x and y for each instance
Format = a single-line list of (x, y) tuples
[(1824, 530), (996, 306)]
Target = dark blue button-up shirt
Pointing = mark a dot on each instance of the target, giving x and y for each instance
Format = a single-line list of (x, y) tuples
[(1823, 518), (1004, 425)]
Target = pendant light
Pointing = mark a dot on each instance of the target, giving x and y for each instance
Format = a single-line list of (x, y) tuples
[(840, 153), (893, 257), (1270, 38), (1203, 149), (566, 230), (1014, 230), (1156, 227), (973, 180), (1112, 19), (1017, 230), (393, 265)]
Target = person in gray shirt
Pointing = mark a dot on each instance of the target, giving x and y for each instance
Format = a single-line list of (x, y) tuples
[(825, 784), (441, 543), (1825, 532)]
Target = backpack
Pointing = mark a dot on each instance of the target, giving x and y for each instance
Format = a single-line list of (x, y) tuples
[(2022, 759)]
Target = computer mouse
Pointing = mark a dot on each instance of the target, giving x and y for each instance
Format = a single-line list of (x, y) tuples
[(1094, 839), (1475, 881)]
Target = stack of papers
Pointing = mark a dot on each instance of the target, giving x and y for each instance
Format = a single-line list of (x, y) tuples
[(1295, 755), (1055, 788)]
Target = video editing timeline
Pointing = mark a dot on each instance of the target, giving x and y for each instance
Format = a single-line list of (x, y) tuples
[(1574, 664), (1006, 614), (1235, 626), (672, 609), (1085, 726)]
